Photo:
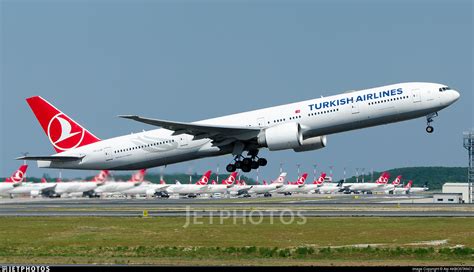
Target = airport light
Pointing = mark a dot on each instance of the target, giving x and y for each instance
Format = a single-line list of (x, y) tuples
[(344, 174), (468, 143), (217, 172), (257, 177), (314, 171), (298, 168), (330, 171), (357, 175), (363, 175), (281, 167)]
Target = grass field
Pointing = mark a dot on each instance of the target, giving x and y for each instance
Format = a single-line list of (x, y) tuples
[(320, 241)]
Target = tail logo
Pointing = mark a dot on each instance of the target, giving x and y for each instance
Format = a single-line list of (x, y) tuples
[(18, 176), (62, 134)]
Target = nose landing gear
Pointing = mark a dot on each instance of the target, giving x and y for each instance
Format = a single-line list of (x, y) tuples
[(429, 120)]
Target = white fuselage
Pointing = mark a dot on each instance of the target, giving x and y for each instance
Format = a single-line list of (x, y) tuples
[(217, 188), (33, 189), (185, 189), (262, 189), (6, 187), (316, 117), (110, 187), (148, 189)]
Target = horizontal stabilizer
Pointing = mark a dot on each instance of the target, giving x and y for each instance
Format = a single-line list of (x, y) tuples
[(51, 158)]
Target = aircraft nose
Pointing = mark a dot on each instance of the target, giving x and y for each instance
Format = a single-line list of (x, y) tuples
[(455, 95)]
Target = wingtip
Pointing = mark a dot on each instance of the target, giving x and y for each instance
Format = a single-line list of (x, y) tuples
[(127, 116)]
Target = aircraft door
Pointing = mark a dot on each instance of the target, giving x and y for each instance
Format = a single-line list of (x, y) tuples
[(416, 96), (355, 107), (108, 154), (261, 122)]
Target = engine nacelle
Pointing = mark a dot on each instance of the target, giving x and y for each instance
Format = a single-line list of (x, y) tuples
[(150, 192), (35, 193), (280, 137), (312, 144)]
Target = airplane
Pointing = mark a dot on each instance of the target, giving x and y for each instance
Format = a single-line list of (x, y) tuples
[(266, 189), (293, 187), (222, 188), (190, 190), (146, 188), (114, 187), (369, 187), (14, 180), (389, 188), (300, 126), (239, 188), (403, 190), (75, 188), (414, 190)]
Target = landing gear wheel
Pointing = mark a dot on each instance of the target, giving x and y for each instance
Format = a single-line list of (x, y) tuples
[(429, 129), (247, 161), (262, 162), (246, 168), (238, 164), (254, 165), (230, 168)]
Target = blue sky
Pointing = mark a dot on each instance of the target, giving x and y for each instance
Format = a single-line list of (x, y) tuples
[(187, 61)]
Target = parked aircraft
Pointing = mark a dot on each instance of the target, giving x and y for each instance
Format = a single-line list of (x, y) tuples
[(14, 180), (369, 187), (414, 190), (267, 189), (190, 190), (113, 187), (300, 126)]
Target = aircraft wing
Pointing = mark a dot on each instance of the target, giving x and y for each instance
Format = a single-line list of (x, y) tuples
[(51, 158), (221, 135)]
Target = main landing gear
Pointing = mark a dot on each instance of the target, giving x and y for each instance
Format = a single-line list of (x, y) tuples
[(429, 120), (246, 164)]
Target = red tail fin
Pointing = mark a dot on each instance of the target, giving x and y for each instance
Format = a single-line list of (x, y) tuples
[(302, 179), (397, 181), (63, 132), (162, 182), (138, 176), (320, 180), (19, 174), (409, 184), (231, 179), (43, 180), (383, 179), (102, 176), (204, 179)]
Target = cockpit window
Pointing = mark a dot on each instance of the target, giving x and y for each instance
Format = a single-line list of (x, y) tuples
[(442, 89)]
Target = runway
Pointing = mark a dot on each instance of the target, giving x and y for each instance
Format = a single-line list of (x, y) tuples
[(340, 206)]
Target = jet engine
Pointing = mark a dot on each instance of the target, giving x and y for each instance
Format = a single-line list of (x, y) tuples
[(280, 137), (312, 144)]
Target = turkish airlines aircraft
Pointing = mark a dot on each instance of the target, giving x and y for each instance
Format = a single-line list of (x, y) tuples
[(267, 189), (14, 180), (378, 185), (300, 126), (415, 190), (112, 187), (239, 188), (293, 187), (73, 187), (389, 188), (222, 188), (190, 189), (403, 190)]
